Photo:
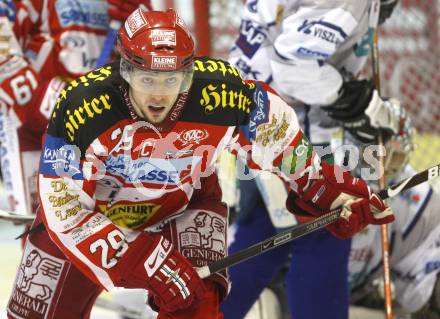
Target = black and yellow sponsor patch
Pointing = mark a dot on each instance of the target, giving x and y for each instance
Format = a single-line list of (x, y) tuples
[(89, 109), (218, 94), (88, 106), (129, 216), (84, 81)]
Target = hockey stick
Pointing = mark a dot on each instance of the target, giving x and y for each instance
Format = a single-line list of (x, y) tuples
[(16, 218), (382, 184), (306, 228), (108, 43)]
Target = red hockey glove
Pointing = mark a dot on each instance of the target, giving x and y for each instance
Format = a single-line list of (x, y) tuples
[(170, 277), (360, 206), (120, 9)]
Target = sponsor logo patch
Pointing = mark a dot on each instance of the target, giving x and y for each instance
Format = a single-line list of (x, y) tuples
[(129, 216), (271, 132), (163, 62), (191, 137), (152, 170), (82, 12), (217, 66), (219, 96), (37, 280), (164, 37), (324, 30), (298, 157), (202, 237), (259, 114), (134, 23), (250, 39), (60, 159)]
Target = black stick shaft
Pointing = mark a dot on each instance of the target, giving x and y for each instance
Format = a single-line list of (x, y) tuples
[(308, 227), (410, 182), (275, 241)]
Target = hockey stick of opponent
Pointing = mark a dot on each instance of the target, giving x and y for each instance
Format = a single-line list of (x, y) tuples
[(108, 43), (382, 184), (306, 228)]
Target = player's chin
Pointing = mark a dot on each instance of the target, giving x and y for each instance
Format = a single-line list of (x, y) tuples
[(157, 118)]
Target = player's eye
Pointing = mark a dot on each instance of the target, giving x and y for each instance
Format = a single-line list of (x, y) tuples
[(147, 81), (171, 81)]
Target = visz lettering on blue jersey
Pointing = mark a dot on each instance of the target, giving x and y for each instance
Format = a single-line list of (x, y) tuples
[(250, 39), (82, 12), (323, 30)]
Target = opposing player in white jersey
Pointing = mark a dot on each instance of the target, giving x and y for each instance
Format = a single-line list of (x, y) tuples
[(311, 52), (414, 244)]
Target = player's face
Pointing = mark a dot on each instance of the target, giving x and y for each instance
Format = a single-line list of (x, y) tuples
[(154, 93)]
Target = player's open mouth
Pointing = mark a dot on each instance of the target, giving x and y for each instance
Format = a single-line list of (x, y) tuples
[(156, 110)]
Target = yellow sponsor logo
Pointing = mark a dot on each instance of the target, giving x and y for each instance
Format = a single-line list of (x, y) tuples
[(60, 201), (214, 96), (61, 198), (95, 76), (89, 109), (58, 185), (273, 131), (70, 212), (129, 216), (216, 66)]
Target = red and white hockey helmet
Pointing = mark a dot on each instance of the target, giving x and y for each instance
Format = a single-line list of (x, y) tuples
[(155, 41)]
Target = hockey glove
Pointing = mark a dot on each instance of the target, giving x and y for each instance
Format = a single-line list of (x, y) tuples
[(167, 275), (361, 111), (335, 188), (119, 10)]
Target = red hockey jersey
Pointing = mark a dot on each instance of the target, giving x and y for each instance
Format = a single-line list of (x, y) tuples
[(106, 175)]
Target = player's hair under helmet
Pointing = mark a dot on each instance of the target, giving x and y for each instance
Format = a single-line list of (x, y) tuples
[(155, 41)]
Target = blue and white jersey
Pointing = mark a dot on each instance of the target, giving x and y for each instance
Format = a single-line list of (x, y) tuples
[(414, 247), (305, 50)]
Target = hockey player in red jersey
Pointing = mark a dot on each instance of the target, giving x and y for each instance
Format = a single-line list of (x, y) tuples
[(127, 188), (44, 44)]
